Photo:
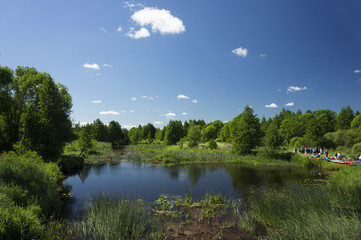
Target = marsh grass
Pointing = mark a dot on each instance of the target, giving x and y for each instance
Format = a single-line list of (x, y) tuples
[(113, 217), (169, 155), (299, 212)]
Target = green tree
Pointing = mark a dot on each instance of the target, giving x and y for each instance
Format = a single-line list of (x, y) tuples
[(174, 132), (246, 131), (212, 144), (135, 134), (194, 135), (116, 136), (43, 112), (225, 133), (100, 131), (273, 139), (209, 132), (85, 141), (344, 118), (148, 133)]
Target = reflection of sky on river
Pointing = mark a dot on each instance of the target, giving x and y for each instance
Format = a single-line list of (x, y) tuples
[(148, 181)]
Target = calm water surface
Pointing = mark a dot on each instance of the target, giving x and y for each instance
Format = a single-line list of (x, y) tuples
[(149, 181)]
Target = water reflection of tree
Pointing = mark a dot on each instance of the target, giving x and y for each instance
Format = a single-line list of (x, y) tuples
[(195, 173), (244, 177), (84, 173)]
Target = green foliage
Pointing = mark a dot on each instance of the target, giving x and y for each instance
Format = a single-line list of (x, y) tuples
[(36, 113), (37, 180), (356, 149), (194, 135), (210, 132), (272, 138), (174, 132), (298, 212), (212, 144), (344, 119), (18, 222), (245, 131), (85, 142), (113, 217)]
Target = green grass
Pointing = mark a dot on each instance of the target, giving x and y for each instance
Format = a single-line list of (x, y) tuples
[(112, 217), (101, 153), (168, 155), (300, 212)]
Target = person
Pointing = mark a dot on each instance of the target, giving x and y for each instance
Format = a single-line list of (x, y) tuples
[(326, 153)]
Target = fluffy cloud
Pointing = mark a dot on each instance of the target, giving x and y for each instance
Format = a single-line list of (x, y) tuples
[(357, 71), (194, 101), (128, 126), (131, 111), (242, 52), (91, 66), (181, 96), (290, 104), (272, 105), (292, 89), (157, 122), (263, 55), (96, 101), (169, 115), (141, 33), (159, 20), (133, 99), (184, 113), (148, 97), (109, 113), (119, 29), (84, 123)]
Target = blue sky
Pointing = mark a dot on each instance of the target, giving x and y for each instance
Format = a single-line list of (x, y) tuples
[(141, 62)]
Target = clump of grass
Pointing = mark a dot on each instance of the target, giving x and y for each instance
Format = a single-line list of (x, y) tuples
[(298, 212), (112, 217)]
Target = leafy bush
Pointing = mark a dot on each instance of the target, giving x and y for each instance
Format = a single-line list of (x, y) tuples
[(356, 149), (36, 180), (19, 222), (212, 144)]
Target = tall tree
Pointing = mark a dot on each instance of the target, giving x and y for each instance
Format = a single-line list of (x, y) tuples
[(174, 132), (344, 118), (246, 131), (42, 109)]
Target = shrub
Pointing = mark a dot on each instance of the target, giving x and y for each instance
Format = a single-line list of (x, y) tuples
[(212, 144), (356, 149), (18, 222), (39, 181)]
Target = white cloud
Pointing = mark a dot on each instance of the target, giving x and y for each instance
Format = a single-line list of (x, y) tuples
[(263, 55), (84, 123), (102, 29), (96, 101), (272, 105), (194, 101), (159, 20), (91, 66), (292, 89), (109, 113), (169, 115), (128, 126), (132, 6), (122, 111), (242, 52), (357, 71), (131, 111), (157, 122), (107, 65), (148, 97), (184, 113), (133, 99), (141, 33), (181, 96), (119, 29), (290, 104)]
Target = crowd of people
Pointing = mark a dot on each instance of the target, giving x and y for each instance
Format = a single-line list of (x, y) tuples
[(319, 151)]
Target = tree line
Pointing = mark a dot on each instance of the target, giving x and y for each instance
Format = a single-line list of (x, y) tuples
[(35, 115)]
